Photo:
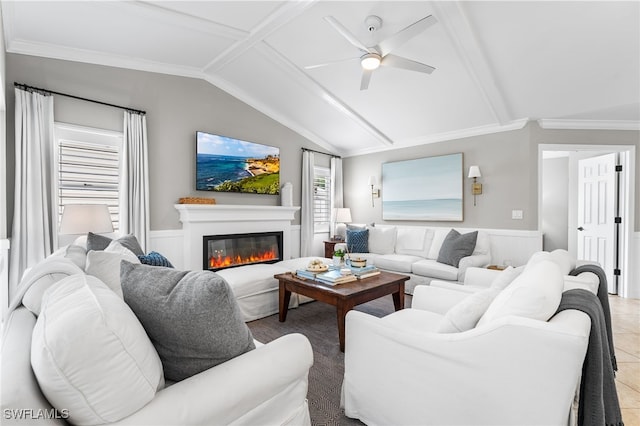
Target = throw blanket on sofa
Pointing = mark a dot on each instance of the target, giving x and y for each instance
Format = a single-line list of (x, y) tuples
[(598, 403), (604, 301)]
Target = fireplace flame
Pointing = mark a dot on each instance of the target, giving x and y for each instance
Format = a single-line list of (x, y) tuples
[(221, 261)]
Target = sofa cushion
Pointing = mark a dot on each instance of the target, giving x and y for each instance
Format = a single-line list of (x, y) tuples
[(413, 320), (560, 257), (414, 241), (456, 246), (90, 354), (396, 262), (465, 315), (105, 265), (77, 254), (535, 294), (382, 240), (434, 269), (506, 277), (192, 318), (438, 238), (101, 242), (358, 240)]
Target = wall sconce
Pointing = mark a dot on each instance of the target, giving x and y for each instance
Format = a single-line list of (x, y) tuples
[(375, 193), (476, 188)]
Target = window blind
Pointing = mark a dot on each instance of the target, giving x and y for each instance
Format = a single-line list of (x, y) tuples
[(321, 199), (88, 174)]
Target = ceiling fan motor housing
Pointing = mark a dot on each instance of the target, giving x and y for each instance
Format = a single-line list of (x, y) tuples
[(373, 23)]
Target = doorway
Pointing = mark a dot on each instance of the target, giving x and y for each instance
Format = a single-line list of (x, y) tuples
[(562, 200)]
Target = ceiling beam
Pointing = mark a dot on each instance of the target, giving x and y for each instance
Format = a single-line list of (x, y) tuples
[(452, 18)]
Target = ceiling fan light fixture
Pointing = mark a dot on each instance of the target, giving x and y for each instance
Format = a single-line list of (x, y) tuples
[(370, 61)]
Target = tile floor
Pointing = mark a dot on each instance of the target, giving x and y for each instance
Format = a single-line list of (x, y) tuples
[(625, 321)]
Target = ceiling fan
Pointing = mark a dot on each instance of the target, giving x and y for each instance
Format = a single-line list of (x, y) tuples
[(380, 54)]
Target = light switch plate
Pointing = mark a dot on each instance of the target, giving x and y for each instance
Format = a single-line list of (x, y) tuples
[(517, 214)]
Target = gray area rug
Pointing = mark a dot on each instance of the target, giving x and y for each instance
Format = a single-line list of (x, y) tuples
[(318, 322)]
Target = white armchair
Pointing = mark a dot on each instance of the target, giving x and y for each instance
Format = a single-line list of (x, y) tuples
[(512, 370)]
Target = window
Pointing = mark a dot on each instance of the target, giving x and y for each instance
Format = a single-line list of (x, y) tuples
[(321, 199), (86, 168)]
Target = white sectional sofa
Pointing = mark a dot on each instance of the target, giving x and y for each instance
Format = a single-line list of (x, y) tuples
[(414, 251), (125, 385)]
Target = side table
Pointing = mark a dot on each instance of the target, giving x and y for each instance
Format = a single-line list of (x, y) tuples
[(329, 247)]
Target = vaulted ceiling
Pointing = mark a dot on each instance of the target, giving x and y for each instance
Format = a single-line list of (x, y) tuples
[(497, 64)]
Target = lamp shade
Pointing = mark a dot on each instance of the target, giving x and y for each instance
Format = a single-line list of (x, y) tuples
[(372, 181), (83, 218), (343, 215), (474, 172)]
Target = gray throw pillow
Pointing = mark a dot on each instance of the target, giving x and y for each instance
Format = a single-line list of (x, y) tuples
[(456, 246), (192, 318), (100, 242)]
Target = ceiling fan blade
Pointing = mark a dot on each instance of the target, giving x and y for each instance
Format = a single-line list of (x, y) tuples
[(346, 33), (310, 67), (407, 64), (403, 36), (366, 77)]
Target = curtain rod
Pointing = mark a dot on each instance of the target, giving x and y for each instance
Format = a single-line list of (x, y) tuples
[(51, 92), (320, 152)]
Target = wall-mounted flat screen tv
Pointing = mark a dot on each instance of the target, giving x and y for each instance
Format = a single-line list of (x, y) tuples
[(225, 164)]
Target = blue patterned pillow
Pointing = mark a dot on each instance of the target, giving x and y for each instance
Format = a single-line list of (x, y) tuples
[(358, 240), (155, 259)]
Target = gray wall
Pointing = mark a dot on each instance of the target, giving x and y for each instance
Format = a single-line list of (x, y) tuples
[(509, 165), (176, 108)]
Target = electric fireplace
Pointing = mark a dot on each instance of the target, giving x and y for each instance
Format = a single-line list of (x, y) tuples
[(227, 251)]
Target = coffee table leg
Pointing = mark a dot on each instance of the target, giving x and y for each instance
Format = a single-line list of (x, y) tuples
[(398, 298), (342, 310), (285, 297)]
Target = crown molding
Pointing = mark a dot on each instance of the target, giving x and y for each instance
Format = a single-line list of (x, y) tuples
[(560, 124), (88, 56)]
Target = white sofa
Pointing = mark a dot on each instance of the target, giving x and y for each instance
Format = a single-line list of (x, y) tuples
[(266, 385), (404, 369), (414, 251)]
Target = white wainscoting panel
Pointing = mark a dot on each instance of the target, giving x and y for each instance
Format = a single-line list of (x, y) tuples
[(169, 243)]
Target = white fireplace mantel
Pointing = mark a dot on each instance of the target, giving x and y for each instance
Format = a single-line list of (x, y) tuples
[(199, 220)]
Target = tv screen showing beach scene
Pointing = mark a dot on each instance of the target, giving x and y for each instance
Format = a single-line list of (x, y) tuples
[(423, 189), (225, 164)]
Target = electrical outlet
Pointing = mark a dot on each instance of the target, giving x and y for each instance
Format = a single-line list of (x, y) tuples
[(517, 214)]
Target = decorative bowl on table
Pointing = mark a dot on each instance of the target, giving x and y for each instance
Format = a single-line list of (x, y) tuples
[(317, 265)]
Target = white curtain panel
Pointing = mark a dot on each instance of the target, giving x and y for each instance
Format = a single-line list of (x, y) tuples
[(134, 179), (32, 236), (337, 194), (306, 219)]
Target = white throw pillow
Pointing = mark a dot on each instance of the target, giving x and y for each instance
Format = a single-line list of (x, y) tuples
[(90, 354), (560, 257), (506, 277), (483, 244), (465, 315), (438, 238), (382, 240), (414, 241), (535, 294), (105, 266)]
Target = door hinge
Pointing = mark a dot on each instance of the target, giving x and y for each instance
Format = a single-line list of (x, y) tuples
[(618, 167), (616, 272), (618, 220)]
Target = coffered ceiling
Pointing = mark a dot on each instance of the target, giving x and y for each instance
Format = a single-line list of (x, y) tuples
[(498, 64)]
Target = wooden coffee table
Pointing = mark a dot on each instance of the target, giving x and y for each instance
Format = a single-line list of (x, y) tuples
[(343, 296)]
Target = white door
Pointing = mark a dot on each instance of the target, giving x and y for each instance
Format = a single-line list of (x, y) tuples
[(596, 213)]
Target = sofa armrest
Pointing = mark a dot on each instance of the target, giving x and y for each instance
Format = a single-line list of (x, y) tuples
[(481, 277), (436, 299), (245, 384), (478, 260)]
